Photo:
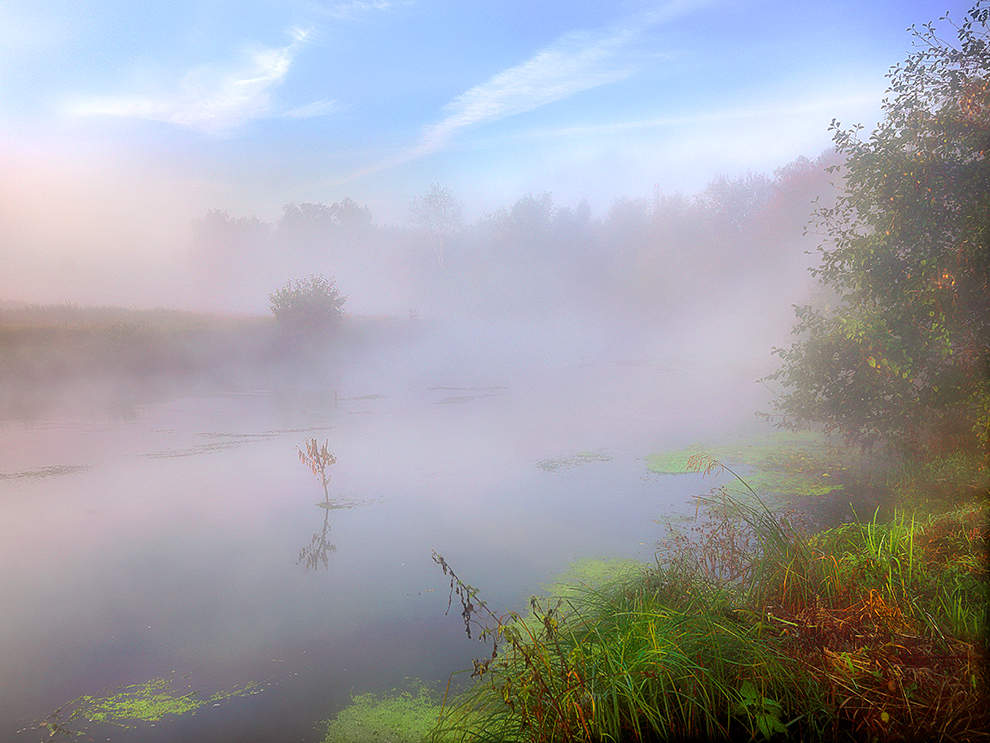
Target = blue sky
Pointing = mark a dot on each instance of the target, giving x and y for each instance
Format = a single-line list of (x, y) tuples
[(249, 105)]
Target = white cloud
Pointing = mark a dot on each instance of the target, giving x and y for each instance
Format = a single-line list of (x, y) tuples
[(349, 9), (788, 109), (322, 107), (574, 63), (208, 99)]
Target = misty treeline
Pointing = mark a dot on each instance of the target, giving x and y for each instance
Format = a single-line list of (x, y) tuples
[(739, 240)]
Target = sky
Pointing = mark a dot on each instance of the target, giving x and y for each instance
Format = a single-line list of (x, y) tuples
[(172, 108)]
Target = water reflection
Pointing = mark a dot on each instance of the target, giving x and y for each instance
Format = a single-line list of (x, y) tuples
[(315, 554)]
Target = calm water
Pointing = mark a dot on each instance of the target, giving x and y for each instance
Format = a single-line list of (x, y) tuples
[(172, 537)]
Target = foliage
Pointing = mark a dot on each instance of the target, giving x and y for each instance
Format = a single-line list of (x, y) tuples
[(437, 211), (750, 629), (903, 356), (308, 305), (317, 457)]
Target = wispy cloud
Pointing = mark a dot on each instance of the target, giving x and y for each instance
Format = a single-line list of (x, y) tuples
[(574, 63), (322, 107), (211, 99), (773, 110), (349, 9)]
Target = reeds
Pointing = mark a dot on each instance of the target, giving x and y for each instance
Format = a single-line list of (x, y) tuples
[(750, 628)]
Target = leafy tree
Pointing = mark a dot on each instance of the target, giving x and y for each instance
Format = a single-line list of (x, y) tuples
[(439, 214), (307, 305), (437, 211), (903, 355)]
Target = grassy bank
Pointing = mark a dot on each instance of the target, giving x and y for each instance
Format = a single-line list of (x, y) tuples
[(52, 354), (751, 627)]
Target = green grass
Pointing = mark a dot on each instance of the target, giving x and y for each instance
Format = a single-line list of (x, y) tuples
[(748, 628)]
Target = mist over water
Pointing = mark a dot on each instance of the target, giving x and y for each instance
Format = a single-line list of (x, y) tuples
[(490, 393), (171, 539)]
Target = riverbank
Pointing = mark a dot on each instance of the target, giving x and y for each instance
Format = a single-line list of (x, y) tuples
[(749, 625), (57, 355)]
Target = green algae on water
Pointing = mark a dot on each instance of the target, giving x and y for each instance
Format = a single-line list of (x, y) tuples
[(802, 463), (397, 717), (591, 573), (149, 702)]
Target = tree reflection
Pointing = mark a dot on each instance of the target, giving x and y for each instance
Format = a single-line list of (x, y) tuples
[(315, 554)]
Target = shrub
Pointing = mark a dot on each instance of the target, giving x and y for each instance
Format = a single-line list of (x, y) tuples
[(310, 304)]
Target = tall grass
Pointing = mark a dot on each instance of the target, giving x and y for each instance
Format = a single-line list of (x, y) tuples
[(750, 628)]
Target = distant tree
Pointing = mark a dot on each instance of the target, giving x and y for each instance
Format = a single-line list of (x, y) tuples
[(438, 214), (307, 305), (437, 211), (904, 354), (736, 200), (221, 238), (346, 215)]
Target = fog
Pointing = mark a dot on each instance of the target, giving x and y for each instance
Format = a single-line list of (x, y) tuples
[(730, 259), (490, 391)]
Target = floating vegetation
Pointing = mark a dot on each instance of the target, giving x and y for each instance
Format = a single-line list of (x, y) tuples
[(402, 716), (305, 429), (54, 470), (146, 703), (491, 388), (337, 505), (457, 399), (591, 573), (582, 457), (221, 442), (751, 629), (466, 394), (800, 463)]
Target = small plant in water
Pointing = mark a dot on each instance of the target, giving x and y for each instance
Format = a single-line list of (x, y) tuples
[(318, 457)]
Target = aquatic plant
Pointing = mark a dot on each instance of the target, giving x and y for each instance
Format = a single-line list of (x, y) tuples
[(582, 457), (401, 716), (148, 702), (318, 457), (749, 627), (792, 463)]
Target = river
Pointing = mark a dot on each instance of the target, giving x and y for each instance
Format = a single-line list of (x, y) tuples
[(182, 538)]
